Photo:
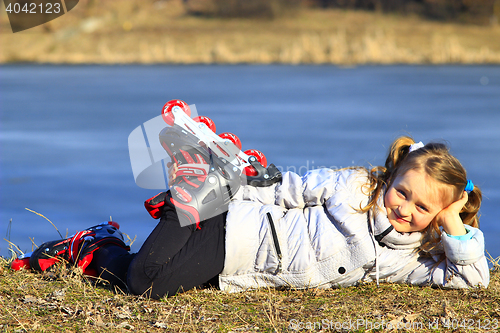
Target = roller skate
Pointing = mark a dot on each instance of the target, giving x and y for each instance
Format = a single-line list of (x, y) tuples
[(211, 167), (77, 250)]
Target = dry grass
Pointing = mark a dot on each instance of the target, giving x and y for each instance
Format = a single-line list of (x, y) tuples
[(63, 301), (127, 31)]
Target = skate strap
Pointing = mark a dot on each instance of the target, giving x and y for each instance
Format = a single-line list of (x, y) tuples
[(154, 205), (44, 264), (191, 159), (195, 170), (76, 242)]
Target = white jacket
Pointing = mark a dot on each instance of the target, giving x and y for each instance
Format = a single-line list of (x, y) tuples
[(320, 240)]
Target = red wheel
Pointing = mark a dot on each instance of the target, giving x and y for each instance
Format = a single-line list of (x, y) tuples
[(166, 112), (114, 224), (231, 137), (250, 170), (19, 264), (207, 121)]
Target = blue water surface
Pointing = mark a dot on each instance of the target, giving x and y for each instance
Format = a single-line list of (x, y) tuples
[(64, 130)]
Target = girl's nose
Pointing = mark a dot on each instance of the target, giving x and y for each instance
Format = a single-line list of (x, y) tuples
[(404, 210)]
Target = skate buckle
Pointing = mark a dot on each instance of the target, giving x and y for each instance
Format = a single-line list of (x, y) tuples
[(183, 194)]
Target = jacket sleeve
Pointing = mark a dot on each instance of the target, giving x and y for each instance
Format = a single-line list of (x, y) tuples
[(462, 265), (294, 191), (316, 187)]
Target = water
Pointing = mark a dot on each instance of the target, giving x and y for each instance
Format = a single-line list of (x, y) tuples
[(64, 130)]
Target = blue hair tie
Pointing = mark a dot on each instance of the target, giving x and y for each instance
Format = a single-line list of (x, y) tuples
[(469, 187)]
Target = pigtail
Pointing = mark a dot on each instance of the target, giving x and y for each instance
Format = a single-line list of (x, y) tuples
[(379, 176), (470, 212), (397, 153)]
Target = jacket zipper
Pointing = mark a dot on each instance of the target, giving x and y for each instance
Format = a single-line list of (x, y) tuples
[(275, 241)]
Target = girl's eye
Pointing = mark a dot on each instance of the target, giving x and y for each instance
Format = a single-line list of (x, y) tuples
[(423, 208), (402, 193)]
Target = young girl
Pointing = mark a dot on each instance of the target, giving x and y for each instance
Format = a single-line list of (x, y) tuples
[(413, 221)]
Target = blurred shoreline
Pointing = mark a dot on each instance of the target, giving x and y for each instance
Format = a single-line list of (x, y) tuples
[(161, 32)]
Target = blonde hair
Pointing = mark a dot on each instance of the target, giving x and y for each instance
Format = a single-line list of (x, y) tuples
[(437, 162)]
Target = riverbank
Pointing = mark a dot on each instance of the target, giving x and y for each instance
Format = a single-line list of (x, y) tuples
[(63, 301), (161, 32)]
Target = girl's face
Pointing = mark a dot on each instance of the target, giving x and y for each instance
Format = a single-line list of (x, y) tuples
[(413, 200)]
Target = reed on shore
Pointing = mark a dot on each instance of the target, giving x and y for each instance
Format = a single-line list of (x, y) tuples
[(121, 32)]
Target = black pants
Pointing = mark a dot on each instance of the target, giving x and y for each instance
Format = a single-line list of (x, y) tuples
[(175, 259), (171, 260)]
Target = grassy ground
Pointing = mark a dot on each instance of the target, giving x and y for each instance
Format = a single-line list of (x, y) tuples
[(128, 31), (160, 32), (62, 301)]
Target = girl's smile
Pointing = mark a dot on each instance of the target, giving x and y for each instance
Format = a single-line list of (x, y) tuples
[(399, 218), (412, 201)]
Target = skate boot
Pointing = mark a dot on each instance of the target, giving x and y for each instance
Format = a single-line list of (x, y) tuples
[(211, 167), (76, 250), (204, 183), (226, 146)]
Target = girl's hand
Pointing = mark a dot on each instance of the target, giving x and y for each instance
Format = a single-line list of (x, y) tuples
[(449, 217), (172, 171)]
